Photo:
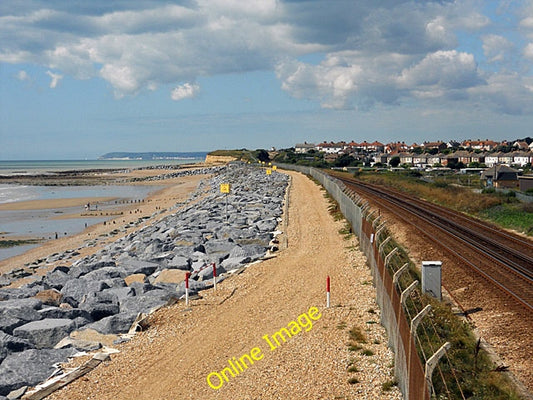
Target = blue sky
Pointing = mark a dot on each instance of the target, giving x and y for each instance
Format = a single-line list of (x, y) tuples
[(79, 79)]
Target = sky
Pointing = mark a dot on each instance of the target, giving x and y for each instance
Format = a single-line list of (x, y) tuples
[(82, 78)]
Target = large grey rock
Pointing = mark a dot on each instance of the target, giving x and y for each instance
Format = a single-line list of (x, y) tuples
[(45, 333), (56, 279), (76, 290), (267, 225), (235, 263), (17, 312), (13, 344), (119, 323), (136, 266), (106, 273), (100, 304), (18, 293), (29, 367), (179, 262), (88, 266), (146, 302), (10, 344), (120, 293), (207, 272), (64, 313), (7, 324)]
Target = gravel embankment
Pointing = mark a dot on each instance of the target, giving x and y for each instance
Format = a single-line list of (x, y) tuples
[(184, 345)]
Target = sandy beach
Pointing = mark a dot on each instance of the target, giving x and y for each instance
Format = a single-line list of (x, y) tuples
[(175, 190)]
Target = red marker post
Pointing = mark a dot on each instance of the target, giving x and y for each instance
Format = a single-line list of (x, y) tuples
[(215, 276), (187, 274), (327, 292)]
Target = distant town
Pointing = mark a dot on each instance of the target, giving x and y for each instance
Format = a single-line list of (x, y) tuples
[(452, 154)]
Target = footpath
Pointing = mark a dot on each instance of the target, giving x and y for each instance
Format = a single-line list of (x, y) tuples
[(241, 336)]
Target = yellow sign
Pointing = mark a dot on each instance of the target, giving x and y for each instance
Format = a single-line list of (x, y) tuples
[(269, 171), (224, 188), (275, 167)]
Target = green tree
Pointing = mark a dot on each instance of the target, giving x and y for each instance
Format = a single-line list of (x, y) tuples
[(262, 155), (344, 161), (394, 161)]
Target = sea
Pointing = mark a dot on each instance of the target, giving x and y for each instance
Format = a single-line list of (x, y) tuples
[(43, 223), (36, 167)]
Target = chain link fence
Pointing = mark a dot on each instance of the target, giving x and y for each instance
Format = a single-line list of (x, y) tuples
[(373, 243)]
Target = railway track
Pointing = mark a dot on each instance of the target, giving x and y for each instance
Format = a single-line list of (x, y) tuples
[(502, 259)]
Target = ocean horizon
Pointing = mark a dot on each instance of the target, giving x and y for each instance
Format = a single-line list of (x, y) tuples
[(38, 167)]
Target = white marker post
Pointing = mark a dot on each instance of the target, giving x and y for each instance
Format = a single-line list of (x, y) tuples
[(215, 276), (187, 274), (327, 292)]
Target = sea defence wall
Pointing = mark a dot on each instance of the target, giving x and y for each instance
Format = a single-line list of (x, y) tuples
[(78, 304), (408, 367)]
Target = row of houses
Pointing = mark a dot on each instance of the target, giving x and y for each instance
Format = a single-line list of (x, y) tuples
[(401, 147), (519, 158)]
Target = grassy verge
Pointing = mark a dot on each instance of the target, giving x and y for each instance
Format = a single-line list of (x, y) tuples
[(466, 370), (511, 216), (456, 192)]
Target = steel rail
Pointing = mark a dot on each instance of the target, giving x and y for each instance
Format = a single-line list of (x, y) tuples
[(471, 236), (433, 220), (478, 240)]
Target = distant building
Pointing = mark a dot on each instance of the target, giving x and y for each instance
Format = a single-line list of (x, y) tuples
[(521, 158), (500, 176), (525, 182), (434, 145), (302, 148), (480, 144)]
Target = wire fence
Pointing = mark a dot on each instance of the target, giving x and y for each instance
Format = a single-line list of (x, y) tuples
[(415, 338)]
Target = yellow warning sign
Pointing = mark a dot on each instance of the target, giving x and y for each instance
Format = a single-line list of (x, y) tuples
[(269, 171), (224, 188), (275, 167)]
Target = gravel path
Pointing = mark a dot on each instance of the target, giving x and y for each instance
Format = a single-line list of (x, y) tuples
[(173, 358)]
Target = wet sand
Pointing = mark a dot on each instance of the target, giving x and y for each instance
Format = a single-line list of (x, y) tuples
[(53, 203)]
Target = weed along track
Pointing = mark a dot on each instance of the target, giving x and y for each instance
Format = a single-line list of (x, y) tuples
[(487, 270)]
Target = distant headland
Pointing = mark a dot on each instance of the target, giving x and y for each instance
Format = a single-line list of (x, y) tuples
[(153, 156)]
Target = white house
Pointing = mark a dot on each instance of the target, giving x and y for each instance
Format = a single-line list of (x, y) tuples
[(302, 148), (521, 158), (492, 159)]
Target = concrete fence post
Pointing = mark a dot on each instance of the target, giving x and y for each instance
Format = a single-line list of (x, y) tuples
[(432, 362), (418, 318), (407, 292), (389, 256), (396, 276), (382, 245)]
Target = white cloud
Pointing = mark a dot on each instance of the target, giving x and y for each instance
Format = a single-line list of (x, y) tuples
[(23, 76), (446, 69), (55, 79), (185, 91), (373, 53), (528, 51), (496, 48)]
